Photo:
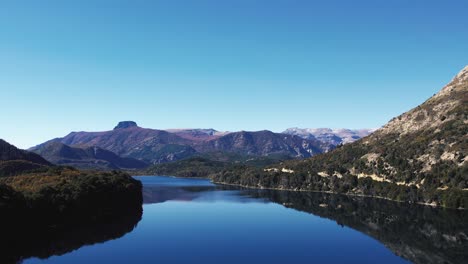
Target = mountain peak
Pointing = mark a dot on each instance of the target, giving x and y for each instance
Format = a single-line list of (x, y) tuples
[(125, 124), (458, 85), (463, 74)]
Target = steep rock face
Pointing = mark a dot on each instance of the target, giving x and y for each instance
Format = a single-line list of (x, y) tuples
[(419, 156), (447, 105), (429, 139), (263, 143), (85, 158), (125, 124)]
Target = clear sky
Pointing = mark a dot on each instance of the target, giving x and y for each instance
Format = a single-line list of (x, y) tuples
[(230, 65)]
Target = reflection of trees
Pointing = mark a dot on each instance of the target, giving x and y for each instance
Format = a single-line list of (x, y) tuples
[(23, 237), (420, 234)]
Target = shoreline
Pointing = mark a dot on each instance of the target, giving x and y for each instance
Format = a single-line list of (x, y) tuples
[(292, 190), (346, 194)]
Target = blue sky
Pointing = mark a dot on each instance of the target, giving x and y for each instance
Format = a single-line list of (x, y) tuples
[(229, 65)]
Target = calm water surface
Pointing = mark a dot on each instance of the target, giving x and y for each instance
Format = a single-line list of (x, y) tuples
[(195, 221)]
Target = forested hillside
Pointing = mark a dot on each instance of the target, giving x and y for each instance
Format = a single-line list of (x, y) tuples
[(419, 156)]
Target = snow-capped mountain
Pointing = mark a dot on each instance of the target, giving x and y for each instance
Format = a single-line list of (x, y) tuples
[(328, 135), (198, 133)]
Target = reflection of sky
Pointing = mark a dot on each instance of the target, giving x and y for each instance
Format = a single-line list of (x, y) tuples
[(172, 181), (225, 227)]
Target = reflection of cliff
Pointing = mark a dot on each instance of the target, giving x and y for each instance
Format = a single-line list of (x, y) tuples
[(419, 234), (22, 236)]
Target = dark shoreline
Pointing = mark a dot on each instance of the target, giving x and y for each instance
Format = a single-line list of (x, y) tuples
[(311, 191), (65, 214), (335, 193)]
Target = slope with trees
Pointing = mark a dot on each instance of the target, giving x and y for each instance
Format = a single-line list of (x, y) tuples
[(419, 156)]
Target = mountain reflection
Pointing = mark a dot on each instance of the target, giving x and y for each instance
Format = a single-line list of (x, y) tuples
[(420, 234)]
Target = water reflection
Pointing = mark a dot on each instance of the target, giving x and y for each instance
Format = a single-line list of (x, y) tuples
[(22, 237), (420, 234), (161, 189), (417, 233)]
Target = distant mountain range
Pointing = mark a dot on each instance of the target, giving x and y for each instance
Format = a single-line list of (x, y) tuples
[(334, 137), (129, 146), (419, 156)]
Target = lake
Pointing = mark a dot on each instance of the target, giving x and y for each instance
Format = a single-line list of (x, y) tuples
[(195, 221)]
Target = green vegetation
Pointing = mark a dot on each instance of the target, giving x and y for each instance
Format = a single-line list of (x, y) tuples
[(31, 186), (209, 164), (64, 192), (193, 167), (18, 167), (347, 184), (40, 204), (418, 157), (396, 158), (61, 209), (250, 160)]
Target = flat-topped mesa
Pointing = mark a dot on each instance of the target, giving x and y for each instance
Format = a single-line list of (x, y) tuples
[(125, 124)]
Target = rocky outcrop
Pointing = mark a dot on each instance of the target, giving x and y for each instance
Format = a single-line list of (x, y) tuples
[(126, 124)]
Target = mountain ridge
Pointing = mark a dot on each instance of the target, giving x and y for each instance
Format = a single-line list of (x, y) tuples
[(419, 156), (128, 140), (334, 137), (10, 152), (86, 158), (15, 161)]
